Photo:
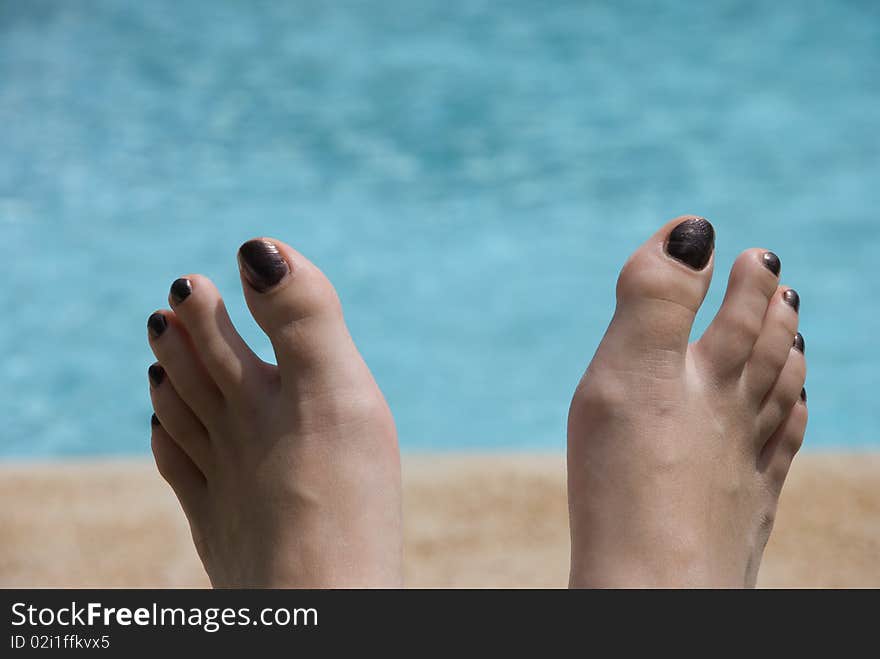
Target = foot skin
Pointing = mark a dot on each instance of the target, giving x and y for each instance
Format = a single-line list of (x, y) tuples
[(289, 475), (677, 452)]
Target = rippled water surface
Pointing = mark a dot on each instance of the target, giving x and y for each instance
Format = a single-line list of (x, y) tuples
[(471, 175)]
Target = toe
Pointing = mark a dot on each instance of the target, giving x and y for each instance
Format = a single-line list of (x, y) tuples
[(293, 302), (662, 286), (784, 395), (773, 346), (173, 348), (227, 358), (777, 454), (175, 467), (178, 419), (728, 342)]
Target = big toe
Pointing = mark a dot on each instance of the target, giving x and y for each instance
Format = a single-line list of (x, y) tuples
[(662, 286), (293, 302)]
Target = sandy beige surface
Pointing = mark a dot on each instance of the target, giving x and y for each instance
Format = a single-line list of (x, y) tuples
[(470, 521)]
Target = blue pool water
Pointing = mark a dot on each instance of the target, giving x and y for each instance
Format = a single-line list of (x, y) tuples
[(471, 175)]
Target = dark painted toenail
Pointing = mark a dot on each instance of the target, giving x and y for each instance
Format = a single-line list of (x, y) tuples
[(157, 324), (692, 242), (799, 342), (154, 421), (804, 395), (262, 264), (180, 290), (772, 263), (156, 373), (792, 299)]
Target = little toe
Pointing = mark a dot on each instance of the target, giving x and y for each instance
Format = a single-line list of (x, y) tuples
[(784, 395), (779, 451), (662, 286), (227, 358), (776, 340), (178, 419), (178, 470), (294, 303), (728, 342), (173, 348)]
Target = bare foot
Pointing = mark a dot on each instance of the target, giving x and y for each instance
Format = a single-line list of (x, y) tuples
[(677, 453), (289, 474)]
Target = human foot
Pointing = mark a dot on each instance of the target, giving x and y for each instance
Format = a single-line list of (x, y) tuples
[(289, 475), (676, 452)]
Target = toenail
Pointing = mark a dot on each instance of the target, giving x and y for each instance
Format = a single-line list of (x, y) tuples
[(804, 395), (799, 342), (154, 421), (792, 299), (157, 324), (772, 263), (262, 264), (156, 373), (692, 242), (180, 290)]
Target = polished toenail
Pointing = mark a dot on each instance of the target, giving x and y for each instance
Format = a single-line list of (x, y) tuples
[(154, 421), (799, 342), (156, 374), (157, 324), (692, 242), (262, 264), (792, 299), (804, 395), (772, 263), (180, 290)]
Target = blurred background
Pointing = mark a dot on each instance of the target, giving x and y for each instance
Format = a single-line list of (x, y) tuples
[(471, 176)]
